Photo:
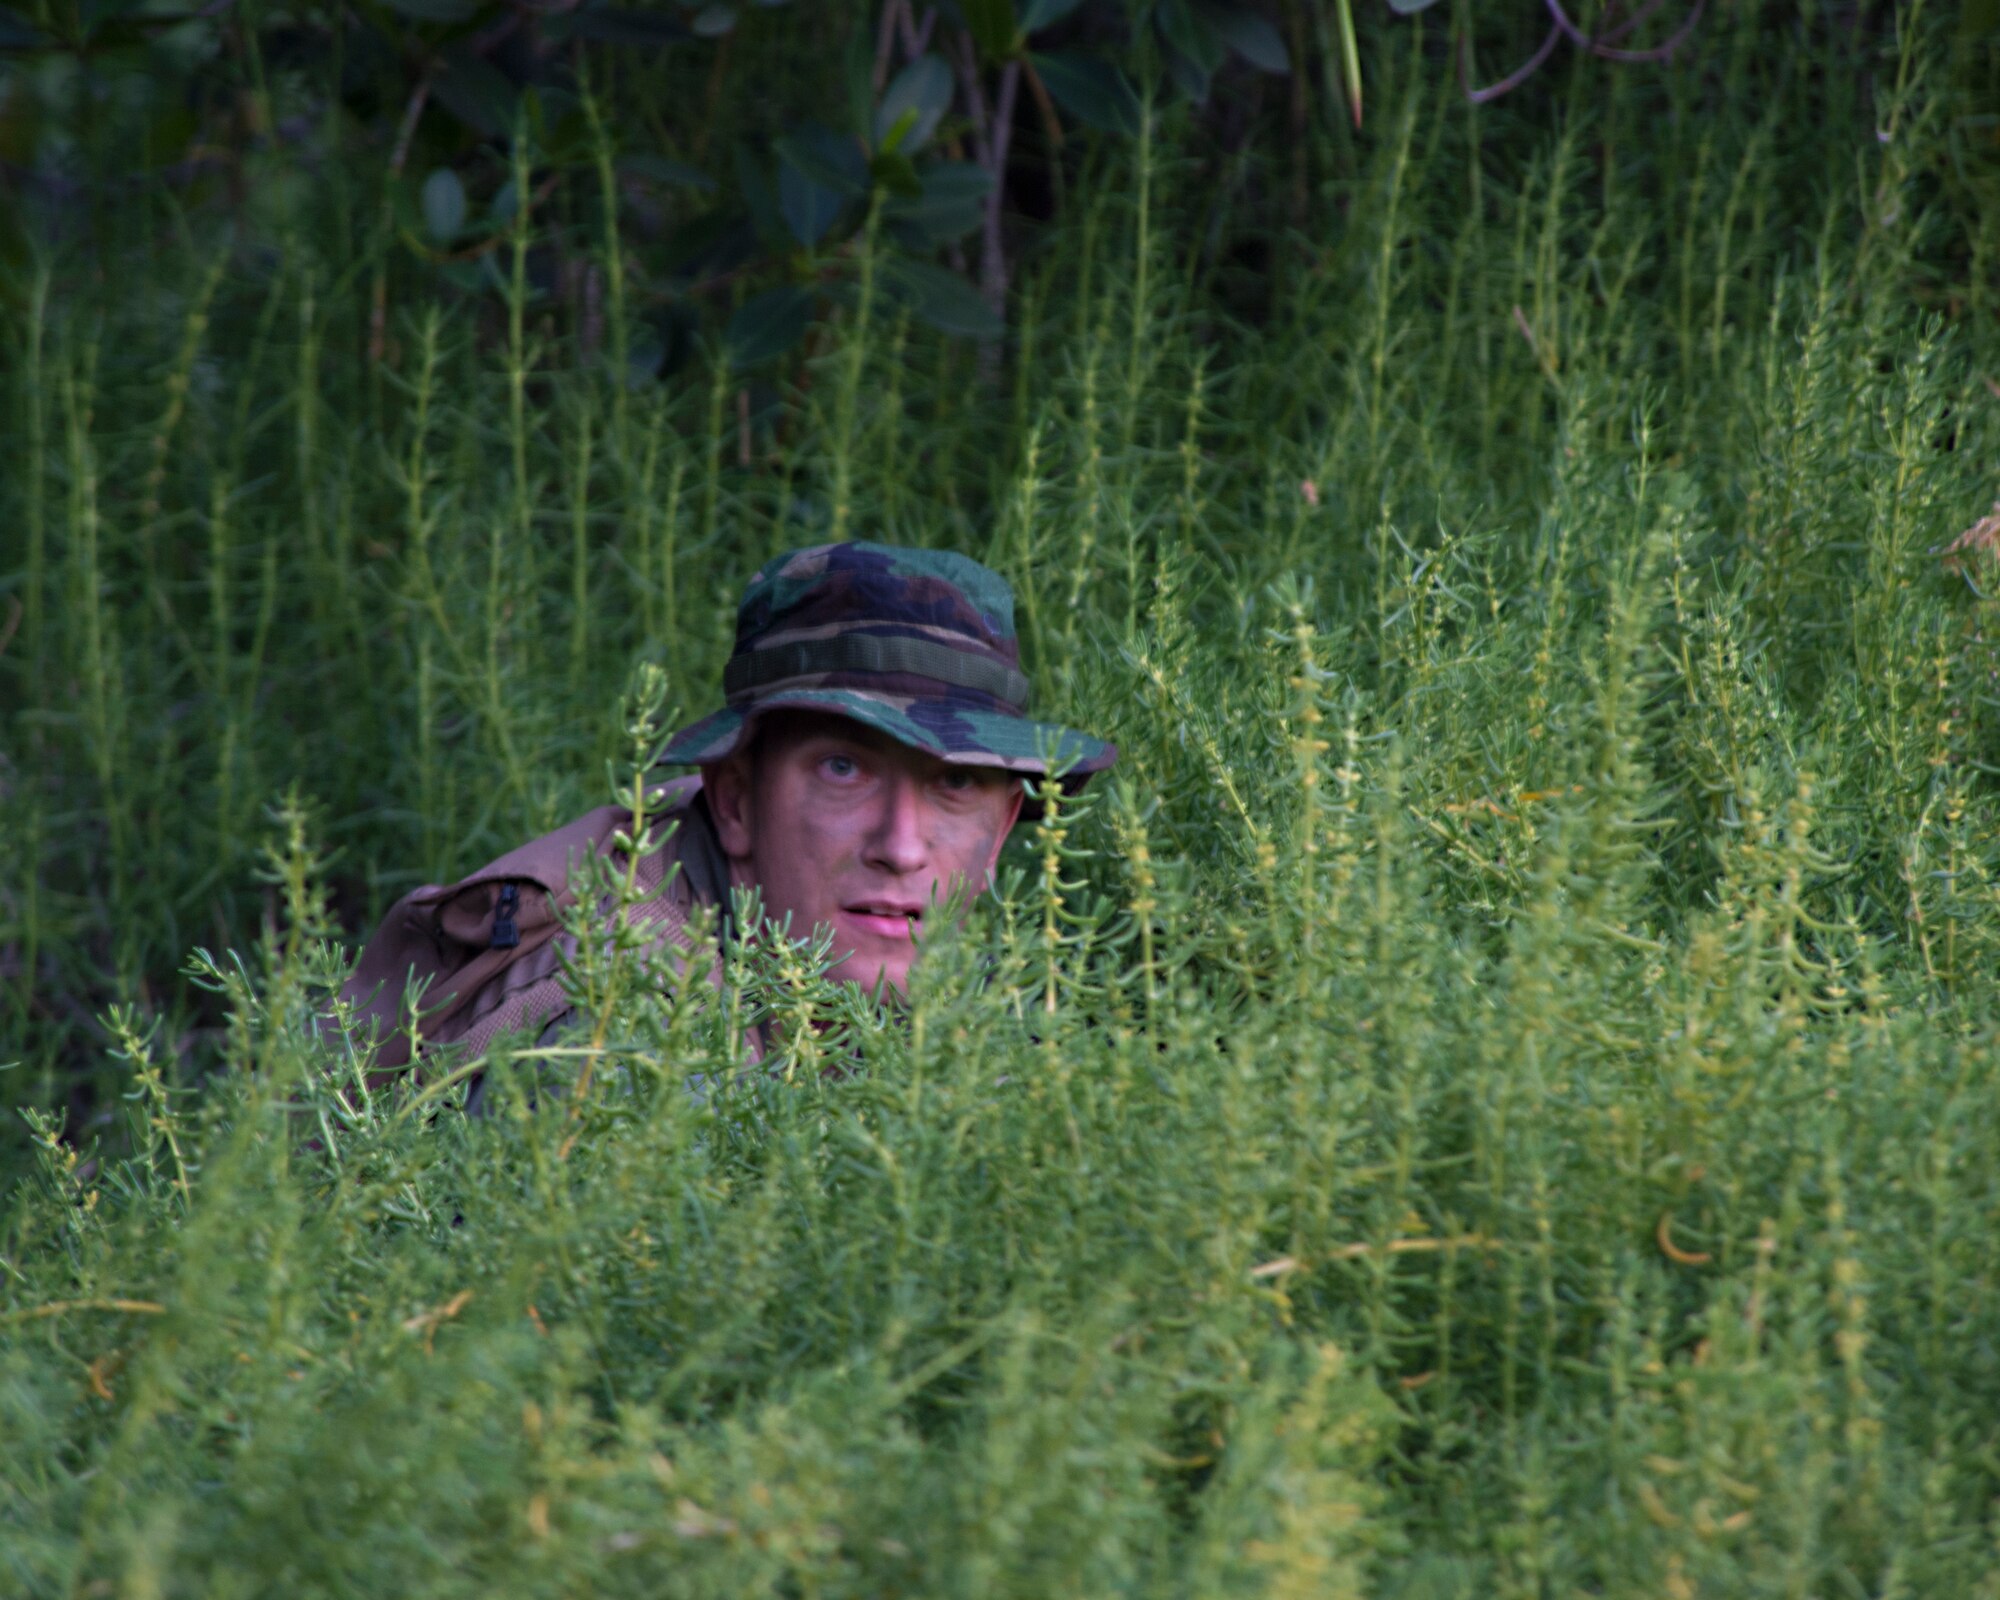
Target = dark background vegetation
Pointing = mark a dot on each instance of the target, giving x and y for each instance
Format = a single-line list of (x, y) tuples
[(1494, 1097), (677, 197)]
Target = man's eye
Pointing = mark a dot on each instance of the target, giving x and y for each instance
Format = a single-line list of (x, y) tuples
[(958, 780), (839, 767)]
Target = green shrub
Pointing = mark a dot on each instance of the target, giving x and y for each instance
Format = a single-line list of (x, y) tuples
[(1494, 1097)]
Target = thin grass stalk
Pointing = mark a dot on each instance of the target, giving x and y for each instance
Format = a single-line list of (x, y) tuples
[(1383, 291), (654, 553), (34, 386), (1692, 256), (98, 664), (602, 155), (579, 567), (193, 331), (853, 363), (891, 468), (1089, 495), (1748, 166), (1135, 847), (669, 546), (501, 550), (421, 592), (1139, 353), (711, 482), (222, 642), (327, 575), (1017, 548)]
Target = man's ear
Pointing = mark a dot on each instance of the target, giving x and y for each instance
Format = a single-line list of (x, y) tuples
[(727, 785)]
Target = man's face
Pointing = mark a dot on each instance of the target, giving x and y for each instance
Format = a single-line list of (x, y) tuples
[(842, 826)]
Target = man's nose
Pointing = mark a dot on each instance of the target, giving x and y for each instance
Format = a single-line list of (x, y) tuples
[(897, 843)]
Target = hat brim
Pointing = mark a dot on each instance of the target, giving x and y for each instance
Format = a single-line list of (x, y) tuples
[(947, 729)]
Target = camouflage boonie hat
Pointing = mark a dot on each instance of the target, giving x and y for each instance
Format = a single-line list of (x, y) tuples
[(917, 643)]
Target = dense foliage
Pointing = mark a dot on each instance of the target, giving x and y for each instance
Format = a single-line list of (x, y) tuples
[(1494, 1097)]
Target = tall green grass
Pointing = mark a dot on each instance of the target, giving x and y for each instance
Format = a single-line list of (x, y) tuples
[(1494, 1096)]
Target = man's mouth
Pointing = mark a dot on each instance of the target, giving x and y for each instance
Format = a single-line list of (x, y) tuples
[(886, 919)]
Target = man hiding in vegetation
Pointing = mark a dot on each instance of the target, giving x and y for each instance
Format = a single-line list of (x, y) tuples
[(864, 772)]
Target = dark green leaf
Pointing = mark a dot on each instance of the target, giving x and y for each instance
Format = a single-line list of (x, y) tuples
[(569, 142), (769, 324), (1192, 35), (892, 140), (712, 22), (1406, 8), (948, 208), (923, 87), (829, 159), (894, 171), (809, 207), (1042, 13), (1090, 89), (991, 23), (478, 93), (1251, 36), (95, 13), (711, 245), (1189, 77), (444, 205), (434, 10), (758, 189), (664, 169), (942, 299), (625, 25), (468, 277), (675, 327), (16, 33), (644, 353)]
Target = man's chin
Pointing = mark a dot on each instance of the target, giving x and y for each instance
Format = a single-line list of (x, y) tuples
[(874, 972)]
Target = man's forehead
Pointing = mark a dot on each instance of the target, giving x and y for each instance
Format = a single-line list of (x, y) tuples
[(791, 727)]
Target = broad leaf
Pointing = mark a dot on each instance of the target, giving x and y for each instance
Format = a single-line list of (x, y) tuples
[(942, 299), (923, 87), (712, 22), (625, 25), (831, 160), (1090, 89), (1251, 36), (478, 93), (809, 207), (711, 245), (769, 324), (758, 190), (444, 206), (894, 171), (434, 10), (949, 206), (1192, 35), (1407, 8), (664, 169), (1188, 76), (991, 23), (676, 326), (17, 33), (1043, 13)]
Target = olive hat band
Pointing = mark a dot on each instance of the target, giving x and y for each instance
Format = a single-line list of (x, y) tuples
[(864, 652)]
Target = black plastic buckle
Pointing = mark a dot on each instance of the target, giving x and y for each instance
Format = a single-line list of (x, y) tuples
[(505, 934)]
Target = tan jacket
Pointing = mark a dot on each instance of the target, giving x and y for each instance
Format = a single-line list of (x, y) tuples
[(490, 948)]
